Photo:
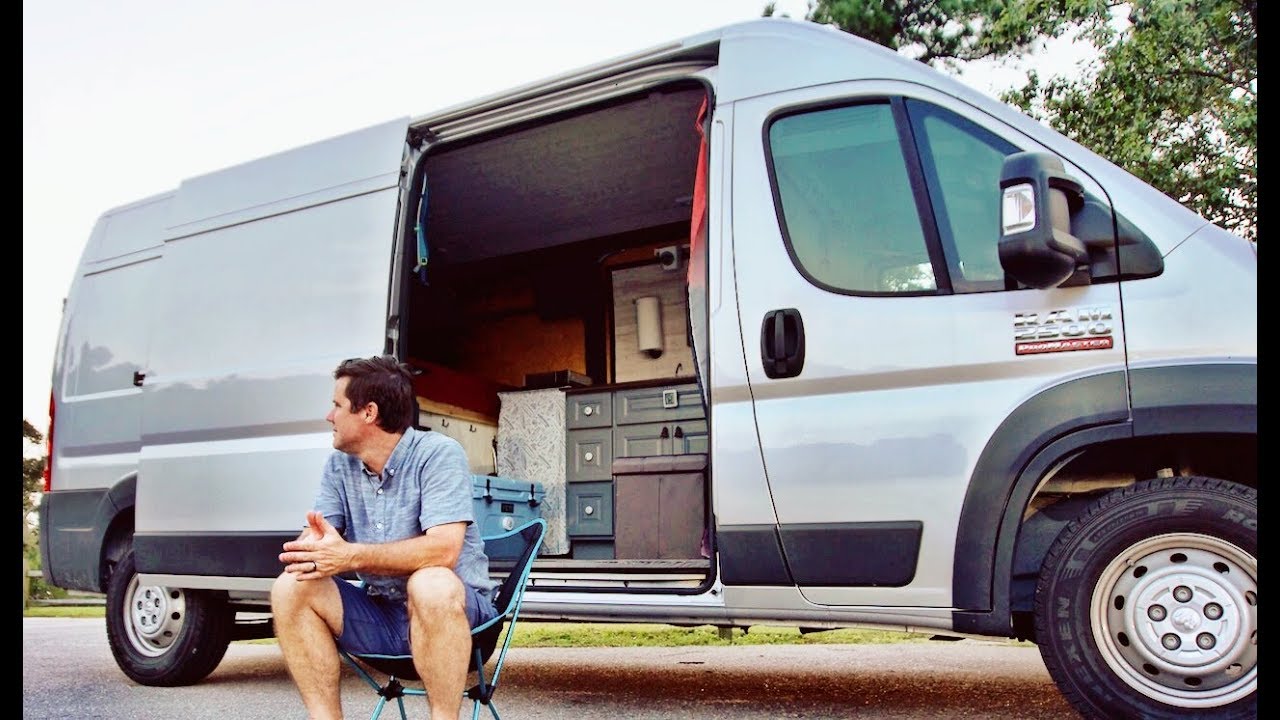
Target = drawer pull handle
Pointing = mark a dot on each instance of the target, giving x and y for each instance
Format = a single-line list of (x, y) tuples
[(588, 410), (589, 456), (664, 434)]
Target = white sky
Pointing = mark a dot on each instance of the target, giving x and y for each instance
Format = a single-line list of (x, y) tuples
[(122, 99)]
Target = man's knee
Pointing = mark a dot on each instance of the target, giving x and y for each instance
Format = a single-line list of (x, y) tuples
[(289, 592), (285, 590), (436, 590)]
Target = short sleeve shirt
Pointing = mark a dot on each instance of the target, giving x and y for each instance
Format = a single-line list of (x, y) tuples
[(427, 481)]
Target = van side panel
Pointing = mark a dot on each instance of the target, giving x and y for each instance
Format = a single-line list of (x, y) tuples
[(244, 417), (287, 275)]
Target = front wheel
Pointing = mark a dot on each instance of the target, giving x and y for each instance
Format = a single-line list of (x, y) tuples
[(1147, 604), (161, 636)]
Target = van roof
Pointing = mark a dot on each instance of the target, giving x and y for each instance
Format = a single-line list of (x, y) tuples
[(754, 57)]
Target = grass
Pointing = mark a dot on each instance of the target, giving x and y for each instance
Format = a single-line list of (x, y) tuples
[(64, 611), (555, 634), (540, 634)]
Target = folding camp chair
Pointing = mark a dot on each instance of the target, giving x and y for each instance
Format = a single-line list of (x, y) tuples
[(520, 546)]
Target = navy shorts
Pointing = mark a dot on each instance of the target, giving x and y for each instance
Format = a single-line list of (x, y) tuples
[(377, 626)]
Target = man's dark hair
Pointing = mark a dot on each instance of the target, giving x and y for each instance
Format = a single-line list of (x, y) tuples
[(385, 381)]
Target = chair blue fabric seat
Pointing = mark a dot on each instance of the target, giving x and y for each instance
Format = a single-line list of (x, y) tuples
[(520, 543)]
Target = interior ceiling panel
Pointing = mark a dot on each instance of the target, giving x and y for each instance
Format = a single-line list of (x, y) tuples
[(620, 168)]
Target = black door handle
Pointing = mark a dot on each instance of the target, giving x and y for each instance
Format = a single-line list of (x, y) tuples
[(782, 343)]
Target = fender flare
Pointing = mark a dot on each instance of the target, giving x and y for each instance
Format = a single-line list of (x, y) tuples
[(1196, 398), (118, 501)]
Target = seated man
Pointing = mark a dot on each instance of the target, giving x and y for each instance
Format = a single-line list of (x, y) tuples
[(394, 507)]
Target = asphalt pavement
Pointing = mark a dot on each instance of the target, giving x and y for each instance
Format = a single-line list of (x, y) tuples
[(68, 672)]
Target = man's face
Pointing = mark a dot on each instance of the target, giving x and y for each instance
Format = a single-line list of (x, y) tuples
[(348, 425)]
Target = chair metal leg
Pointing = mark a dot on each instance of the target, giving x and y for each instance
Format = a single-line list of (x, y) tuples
[(392, 689), (475, 711)]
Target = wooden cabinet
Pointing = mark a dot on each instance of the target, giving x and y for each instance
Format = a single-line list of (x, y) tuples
[(661, 504), (626, 509), (603, 425)]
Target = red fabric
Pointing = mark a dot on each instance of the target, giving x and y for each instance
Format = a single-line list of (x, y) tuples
[(698, 220), (450, 387)]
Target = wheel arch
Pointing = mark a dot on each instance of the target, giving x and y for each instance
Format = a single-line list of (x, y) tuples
[(118, 537), (115, 521), (1201, 416)]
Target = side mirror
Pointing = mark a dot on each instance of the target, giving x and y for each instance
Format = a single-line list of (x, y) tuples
[(1037, 201)]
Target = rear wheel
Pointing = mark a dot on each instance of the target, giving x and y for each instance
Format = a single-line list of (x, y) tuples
[(164, 636), (1147, 604)]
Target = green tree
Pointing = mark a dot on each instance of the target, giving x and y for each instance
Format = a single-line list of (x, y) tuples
[(32, 467), (1172, 96)]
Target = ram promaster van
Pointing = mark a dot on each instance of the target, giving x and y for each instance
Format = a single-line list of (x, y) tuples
[(782, 327)]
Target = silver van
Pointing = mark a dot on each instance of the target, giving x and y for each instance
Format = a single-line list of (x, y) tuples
[(788, 329)]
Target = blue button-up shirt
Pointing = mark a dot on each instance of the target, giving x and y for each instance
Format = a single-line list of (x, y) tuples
[(426, 482)]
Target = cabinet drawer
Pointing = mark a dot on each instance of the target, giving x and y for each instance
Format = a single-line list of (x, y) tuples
[(689, 436), (642, 440), (589, 410), (670, 438), (657, 404), (590, 508), (589, 454)]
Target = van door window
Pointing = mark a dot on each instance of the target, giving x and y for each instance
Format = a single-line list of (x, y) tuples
[(846, 203), (861, 216), (961, 163)]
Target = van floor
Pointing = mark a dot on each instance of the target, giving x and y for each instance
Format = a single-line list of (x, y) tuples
[(634, 566), (656, 574)]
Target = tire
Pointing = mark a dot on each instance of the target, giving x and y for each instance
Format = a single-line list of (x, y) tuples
[(1147, 603), (164, 637)]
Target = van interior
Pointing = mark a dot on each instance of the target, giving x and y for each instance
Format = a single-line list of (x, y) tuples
[(545, 310)]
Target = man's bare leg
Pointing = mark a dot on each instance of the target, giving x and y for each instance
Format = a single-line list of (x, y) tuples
[(308, 616), (440, 637)]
